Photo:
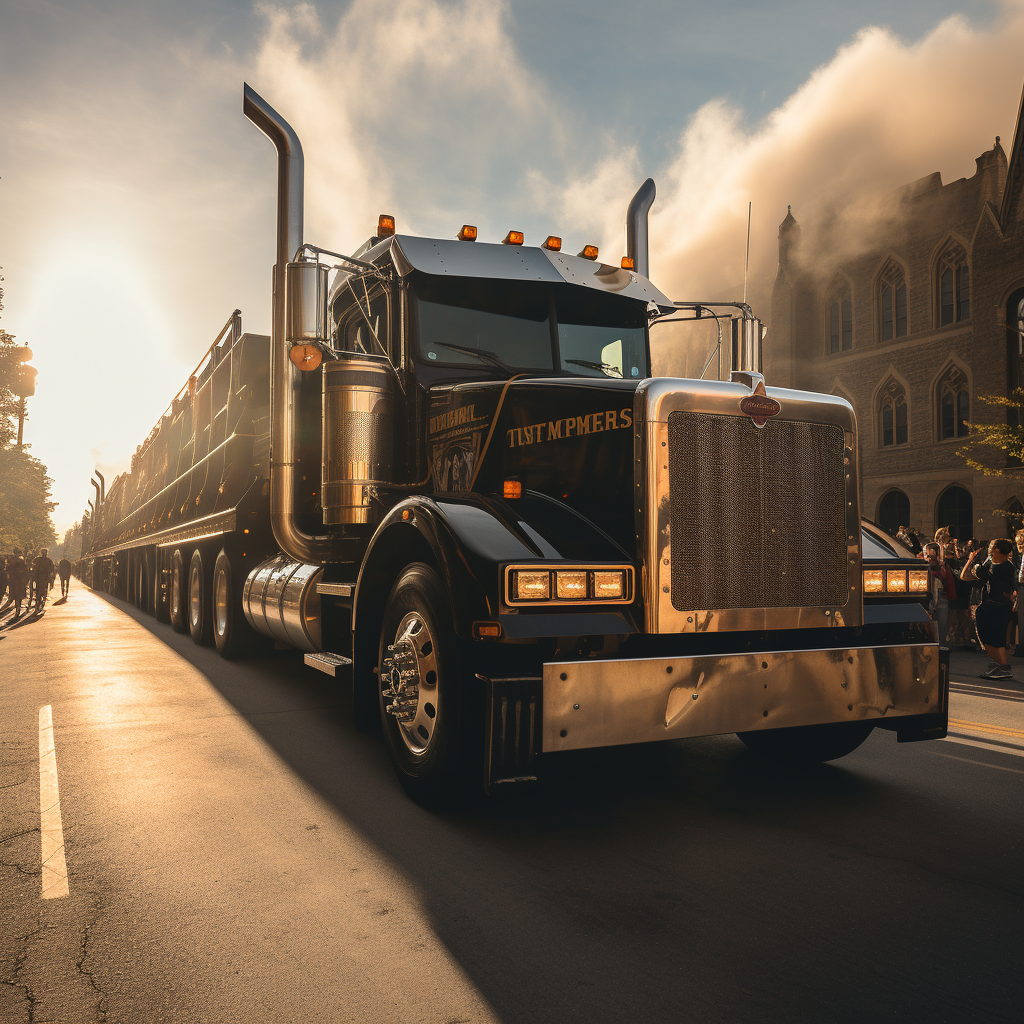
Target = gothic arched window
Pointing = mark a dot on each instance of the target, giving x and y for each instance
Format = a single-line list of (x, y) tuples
[(892, 303), (954, 402), (893, 414), (840, 320), (954, 285)]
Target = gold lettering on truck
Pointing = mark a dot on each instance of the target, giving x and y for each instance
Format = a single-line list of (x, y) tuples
[(571, 426)]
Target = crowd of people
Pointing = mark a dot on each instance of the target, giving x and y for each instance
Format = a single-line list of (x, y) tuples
[(976, 593), (27, 581)]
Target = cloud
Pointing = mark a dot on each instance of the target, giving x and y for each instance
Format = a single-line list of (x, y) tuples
[(882, 113), (410, 107)]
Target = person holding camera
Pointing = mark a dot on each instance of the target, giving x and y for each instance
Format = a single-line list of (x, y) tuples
[(998, 585)]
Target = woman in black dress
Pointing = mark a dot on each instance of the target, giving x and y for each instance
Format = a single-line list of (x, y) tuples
[(998, 584)]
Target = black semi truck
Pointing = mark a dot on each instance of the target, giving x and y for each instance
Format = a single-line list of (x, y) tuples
[(450, 477)]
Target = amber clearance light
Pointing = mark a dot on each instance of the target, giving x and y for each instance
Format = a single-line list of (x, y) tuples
[(513, 238), (627, 263), (588, 252), (568, 584), (467, 233), (552, 242), (385, 226)]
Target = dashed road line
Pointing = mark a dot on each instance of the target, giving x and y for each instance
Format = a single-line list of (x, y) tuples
[(51, 826)]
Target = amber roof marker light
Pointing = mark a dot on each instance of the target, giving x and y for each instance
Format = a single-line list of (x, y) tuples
[(552, 242), (385, 226), (513, 238), (467, 233), (627, 263), (588, 252)]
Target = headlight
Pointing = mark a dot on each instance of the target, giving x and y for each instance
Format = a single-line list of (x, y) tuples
[(531, 586), (571, 586), (874, 581), (896, 581), (609, 584), (574, 584), (919, 581)]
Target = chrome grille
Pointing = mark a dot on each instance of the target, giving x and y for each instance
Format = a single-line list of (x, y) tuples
[(757, 516)]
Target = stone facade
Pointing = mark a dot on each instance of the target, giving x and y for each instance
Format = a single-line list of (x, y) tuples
[(913, 364)]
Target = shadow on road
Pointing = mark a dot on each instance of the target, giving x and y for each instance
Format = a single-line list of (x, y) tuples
[(685, 880)]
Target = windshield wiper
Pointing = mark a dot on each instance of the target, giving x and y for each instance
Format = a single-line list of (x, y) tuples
[(603, 367), (481, 353)]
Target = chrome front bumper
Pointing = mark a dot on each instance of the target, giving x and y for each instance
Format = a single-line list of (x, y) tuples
[(604, 703)]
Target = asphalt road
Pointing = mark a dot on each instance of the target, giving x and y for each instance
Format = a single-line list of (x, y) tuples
[(236, 852)]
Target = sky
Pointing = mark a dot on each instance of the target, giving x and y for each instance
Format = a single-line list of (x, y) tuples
[(137, 203)]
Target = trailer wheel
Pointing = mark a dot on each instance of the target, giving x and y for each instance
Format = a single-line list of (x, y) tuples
[(199, 618), (232, 633), (808, 744), (178, 597), (427, 718)]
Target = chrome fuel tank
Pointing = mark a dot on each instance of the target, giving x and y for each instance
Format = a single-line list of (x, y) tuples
[(280, 601), (357, 435)]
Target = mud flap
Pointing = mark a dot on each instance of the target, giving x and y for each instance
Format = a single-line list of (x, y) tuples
[(512, 750)]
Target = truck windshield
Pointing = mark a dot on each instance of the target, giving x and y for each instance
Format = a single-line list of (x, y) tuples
[(508, 326)]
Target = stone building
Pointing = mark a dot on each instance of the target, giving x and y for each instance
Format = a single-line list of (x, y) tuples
[(911, 333)]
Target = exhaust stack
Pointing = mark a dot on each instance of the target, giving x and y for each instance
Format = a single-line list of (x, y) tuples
[(636, 226), (284, 375), (103, 487)]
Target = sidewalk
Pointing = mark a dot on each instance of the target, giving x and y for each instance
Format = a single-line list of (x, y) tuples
[(965, 668)]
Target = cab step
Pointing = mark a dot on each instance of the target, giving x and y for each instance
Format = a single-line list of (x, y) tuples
[(324, 661)]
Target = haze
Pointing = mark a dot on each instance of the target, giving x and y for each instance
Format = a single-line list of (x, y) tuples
[(137, 203)]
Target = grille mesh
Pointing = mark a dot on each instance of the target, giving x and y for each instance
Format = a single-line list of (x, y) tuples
[(757, 516)]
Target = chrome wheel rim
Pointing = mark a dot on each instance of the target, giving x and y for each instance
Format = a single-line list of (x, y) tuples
[(409, 682), (220, 603), (194, 599)]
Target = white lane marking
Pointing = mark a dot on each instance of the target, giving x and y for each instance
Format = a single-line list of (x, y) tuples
[(986, 764), (51, 826)]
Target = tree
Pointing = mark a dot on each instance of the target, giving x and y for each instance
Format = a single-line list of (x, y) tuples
[(997, 449), (8, 371), (25, 504)]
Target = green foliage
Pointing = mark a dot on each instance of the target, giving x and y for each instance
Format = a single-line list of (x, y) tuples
[(8, 371), (25, 504), (997, 449)]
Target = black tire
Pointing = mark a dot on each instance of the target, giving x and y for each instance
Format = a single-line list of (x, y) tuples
[(177, 595), (232, 634), (433, 751), (808, 744), (200, 619)]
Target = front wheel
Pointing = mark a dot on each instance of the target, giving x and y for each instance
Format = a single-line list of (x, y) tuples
[(808, 744), (428, 717)]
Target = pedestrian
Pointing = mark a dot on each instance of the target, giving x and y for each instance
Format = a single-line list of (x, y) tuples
[(64, 571), (941, 589), (3, 577), (998, 585), (42, 571), (17, 580)]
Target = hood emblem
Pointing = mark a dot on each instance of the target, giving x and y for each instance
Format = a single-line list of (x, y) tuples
[(758, 406)]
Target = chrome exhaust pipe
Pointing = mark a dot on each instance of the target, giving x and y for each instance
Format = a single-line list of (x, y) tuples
[(284, 375), (636, 227), (103, 487)]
